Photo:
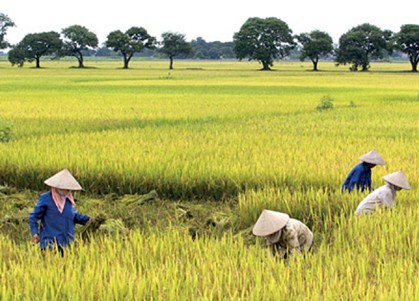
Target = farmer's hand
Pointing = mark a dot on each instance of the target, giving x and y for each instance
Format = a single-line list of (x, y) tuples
[(35, 239)]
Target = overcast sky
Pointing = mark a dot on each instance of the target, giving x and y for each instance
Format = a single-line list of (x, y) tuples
[(215, 20)]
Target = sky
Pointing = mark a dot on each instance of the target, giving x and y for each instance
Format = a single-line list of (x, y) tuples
[(215, 20)]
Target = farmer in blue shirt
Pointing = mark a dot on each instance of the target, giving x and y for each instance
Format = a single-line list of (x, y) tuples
[(56, 211), (360, 176)]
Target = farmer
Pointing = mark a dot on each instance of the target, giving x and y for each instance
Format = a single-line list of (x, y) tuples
[(360, 176), (384, 196), (285, 235), (55, 209)]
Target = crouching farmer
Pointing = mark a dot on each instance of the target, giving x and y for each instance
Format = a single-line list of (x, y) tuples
[(384, 196), (285, 235), (360, 176), (56, 212)]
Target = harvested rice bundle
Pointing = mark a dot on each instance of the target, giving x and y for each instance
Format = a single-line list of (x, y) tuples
[(140, 199), (113, 226), (93, 225)]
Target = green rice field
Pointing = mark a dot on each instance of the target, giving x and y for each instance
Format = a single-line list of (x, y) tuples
[(219, 141)]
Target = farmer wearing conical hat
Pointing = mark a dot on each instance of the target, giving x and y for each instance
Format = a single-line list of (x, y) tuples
[(285, 235), (56, 211), (360, 176), (384, 196)]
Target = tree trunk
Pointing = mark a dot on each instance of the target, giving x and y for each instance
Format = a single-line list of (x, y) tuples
[(365, 67), (126, 61), (38, 62), (315, 61), (171, 63), (414, 65), (80, 59), (265, 66)]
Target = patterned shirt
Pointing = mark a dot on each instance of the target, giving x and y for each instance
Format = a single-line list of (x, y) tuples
[(294, 236), (383, 196)]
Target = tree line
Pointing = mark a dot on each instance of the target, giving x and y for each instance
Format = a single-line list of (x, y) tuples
[(260, 39)]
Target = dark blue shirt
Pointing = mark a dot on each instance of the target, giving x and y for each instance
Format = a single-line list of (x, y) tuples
[(55, 227), (359, 178)]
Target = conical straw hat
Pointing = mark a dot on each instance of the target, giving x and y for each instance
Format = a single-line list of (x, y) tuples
[(372, 157), (63, 180), (397, 179), (269, 222)]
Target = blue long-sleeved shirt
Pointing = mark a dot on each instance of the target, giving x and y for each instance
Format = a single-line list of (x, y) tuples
[(55, 227), (359, 177)]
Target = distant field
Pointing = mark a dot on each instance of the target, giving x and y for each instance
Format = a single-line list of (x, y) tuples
[(219, 141), (205, 129)]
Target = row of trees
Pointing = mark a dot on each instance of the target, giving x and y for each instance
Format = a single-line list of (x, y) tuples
[(75, 39), (268, 39), (263, 40), (201, 50)]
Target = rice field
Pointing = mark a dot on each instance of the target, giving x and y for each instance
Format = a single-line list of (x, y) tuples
[(219, 141)]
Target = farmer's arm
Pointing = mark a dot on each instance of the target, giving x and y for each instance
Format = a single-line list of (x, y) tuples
[(37, 214), (80, 218)]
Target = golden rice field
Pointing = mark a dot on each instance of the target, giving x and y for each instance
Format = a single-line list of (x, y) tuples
[(224, 138)]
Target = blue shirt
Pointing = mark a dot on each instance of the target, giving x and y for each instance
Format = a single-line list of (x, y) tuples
[(359, 178), (55, 227)]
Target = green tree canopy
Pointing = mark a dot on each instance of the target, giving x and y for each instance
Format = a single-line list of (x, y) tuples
[(315, 44), (407, 41), (133, 40), (34, 46), (263, 40), (76, 39), (362, 43), (5, 23), (174, 44), (212, 50)]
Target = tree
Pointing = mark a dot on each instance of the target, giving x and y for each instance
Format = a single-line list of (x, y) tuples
[(212, 50), (362, 43), (133, 40), (17, 55), (407, 41), (200, 47), (315, 44), (263, 40), (174, 44), (34, 46), (76, 39), (5, 23)]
